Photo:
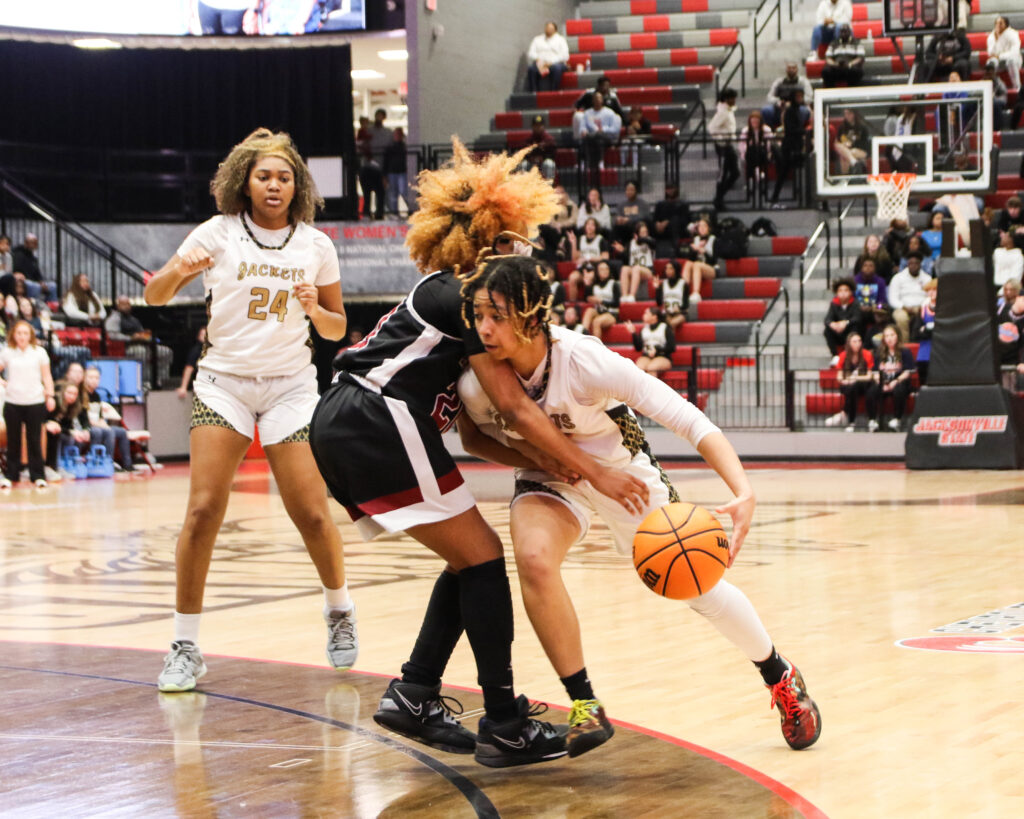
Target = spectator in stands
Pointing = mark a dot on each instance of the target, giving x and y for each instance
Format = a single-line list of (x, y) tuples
[(1011, 220), (24, 260), (1000, 96), (640, 263), (873, 249), (602, 294), (549, 56), (670, 293), (67, 425), (894, 366), (629, 212), (29, 396), (895, 238), (856, 365), (571, 320), (558, 291), (700, 259), (375, 139), (592, 246), (396, 173), (915, 244), (831, 15), (933, 236), (655, 340), (671, 216), (594, 207), (74, 374), (792, 151), (6, 258), (104, 421), (1009, 291), (906, 293), (28, 310), (542, 157), (722, 129), (921, 330), (1003, 45), (1007, 261), (565, 219), (843, 316), (191, 363), (586, 100), (1010, 330), (852, 143), (844, 60), (121, 325), (600, 129), (81, 304), (948, 52), (872, 298), (755, 150), (781, 94), (637, 125)]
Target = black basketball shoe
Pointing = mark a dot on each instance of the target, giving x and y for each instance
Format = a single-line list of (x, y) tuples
[(422, 714), (520, 741)]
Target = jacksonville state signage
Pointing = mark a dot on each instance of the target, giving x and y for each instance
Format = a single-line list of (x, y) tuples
[(960, 430)]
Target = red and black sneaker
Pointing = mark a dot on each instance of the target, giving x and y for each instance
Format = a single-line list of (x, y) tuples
[(801, 720)]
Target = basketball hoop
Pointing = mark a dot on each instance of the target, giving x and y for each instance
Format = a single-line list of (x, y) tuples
[(893, 192)]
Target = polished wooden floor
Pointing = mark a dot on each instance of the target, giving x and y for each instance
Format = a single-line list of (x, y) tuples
[(899, 594)]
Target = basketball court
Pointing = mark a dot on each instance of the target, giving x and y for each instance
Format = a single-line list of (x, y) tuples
[(897, 593)]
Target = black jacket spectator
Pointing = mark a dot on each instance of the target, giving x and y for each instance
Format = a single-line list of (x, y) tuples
[(947, 53)]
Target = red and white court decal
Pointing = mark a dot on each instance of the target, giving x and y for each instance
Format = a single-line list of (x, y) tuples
[(960, 430), (966, 644)]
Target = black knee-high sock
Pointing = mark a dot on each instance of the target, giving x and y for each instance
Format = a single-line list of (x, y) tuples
[(487, 615), (440, 631)]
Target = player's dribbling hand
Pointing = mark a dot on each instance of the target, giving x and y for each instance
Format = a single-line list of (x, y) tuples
[(194, 261), (741, 510), (630, 492), (308, 296)]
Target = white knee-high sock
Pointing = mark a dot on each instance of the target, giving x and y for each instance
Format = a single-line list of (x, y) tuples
[(732, 613)]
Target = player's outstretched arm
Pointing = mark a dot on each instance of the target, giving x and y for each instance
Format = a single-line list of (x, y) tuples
[(720, 456), (529, 420), (174, 275), (481, 445)]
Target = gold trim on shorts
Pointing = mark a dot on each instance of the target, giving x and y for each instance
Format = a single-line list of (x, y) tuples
[(635, 441), (300, 436), (203, 416)]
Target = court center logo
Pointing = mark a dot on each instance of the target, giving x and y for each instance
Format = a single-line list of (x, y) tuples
[(980, 634), (960, 430)]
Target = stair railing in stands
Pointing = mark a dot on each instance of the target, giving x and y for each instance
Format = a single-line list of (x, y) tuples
[(807, 270), (68, 248), (769, 333), (774, 9), (741, 66)]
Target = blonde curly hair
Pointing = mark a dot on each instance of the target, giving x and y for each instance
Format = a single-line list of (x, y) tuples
[(465, 204), (228, 184)]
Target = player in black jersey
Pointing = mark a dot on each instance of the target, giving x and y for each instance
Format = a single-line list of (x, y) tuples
[(376, 436)]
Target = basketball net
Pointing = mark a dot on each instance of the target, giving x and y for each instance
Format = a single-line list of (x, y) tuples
[(893, 193)]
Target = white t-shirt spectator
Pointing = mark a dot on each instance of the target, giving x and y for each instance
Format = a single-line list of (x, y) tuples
[(1007, 264), (23, 371), (550, 50), (908, 291), (839, 12)]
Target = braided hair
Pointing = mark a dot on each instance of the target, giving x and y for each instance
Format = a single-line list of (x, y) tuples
[(523, 284)]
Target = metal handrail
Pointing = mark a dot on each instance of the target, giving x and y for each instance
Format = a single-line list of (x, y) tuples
[(741, 66), (839, 231), (759, 346), (806, 271), (776, 11)]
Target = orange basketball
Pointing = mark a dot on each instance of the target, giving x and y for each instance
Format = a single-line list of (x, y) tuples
[(680, 551)]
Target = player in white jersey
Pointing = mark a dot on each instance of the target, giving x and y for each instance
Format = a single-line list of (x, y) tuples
[(588, 391), (268, 273)]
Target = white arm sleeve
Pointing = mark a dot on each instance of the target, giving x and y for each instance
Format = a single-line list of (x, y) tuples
[(597, 373)]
